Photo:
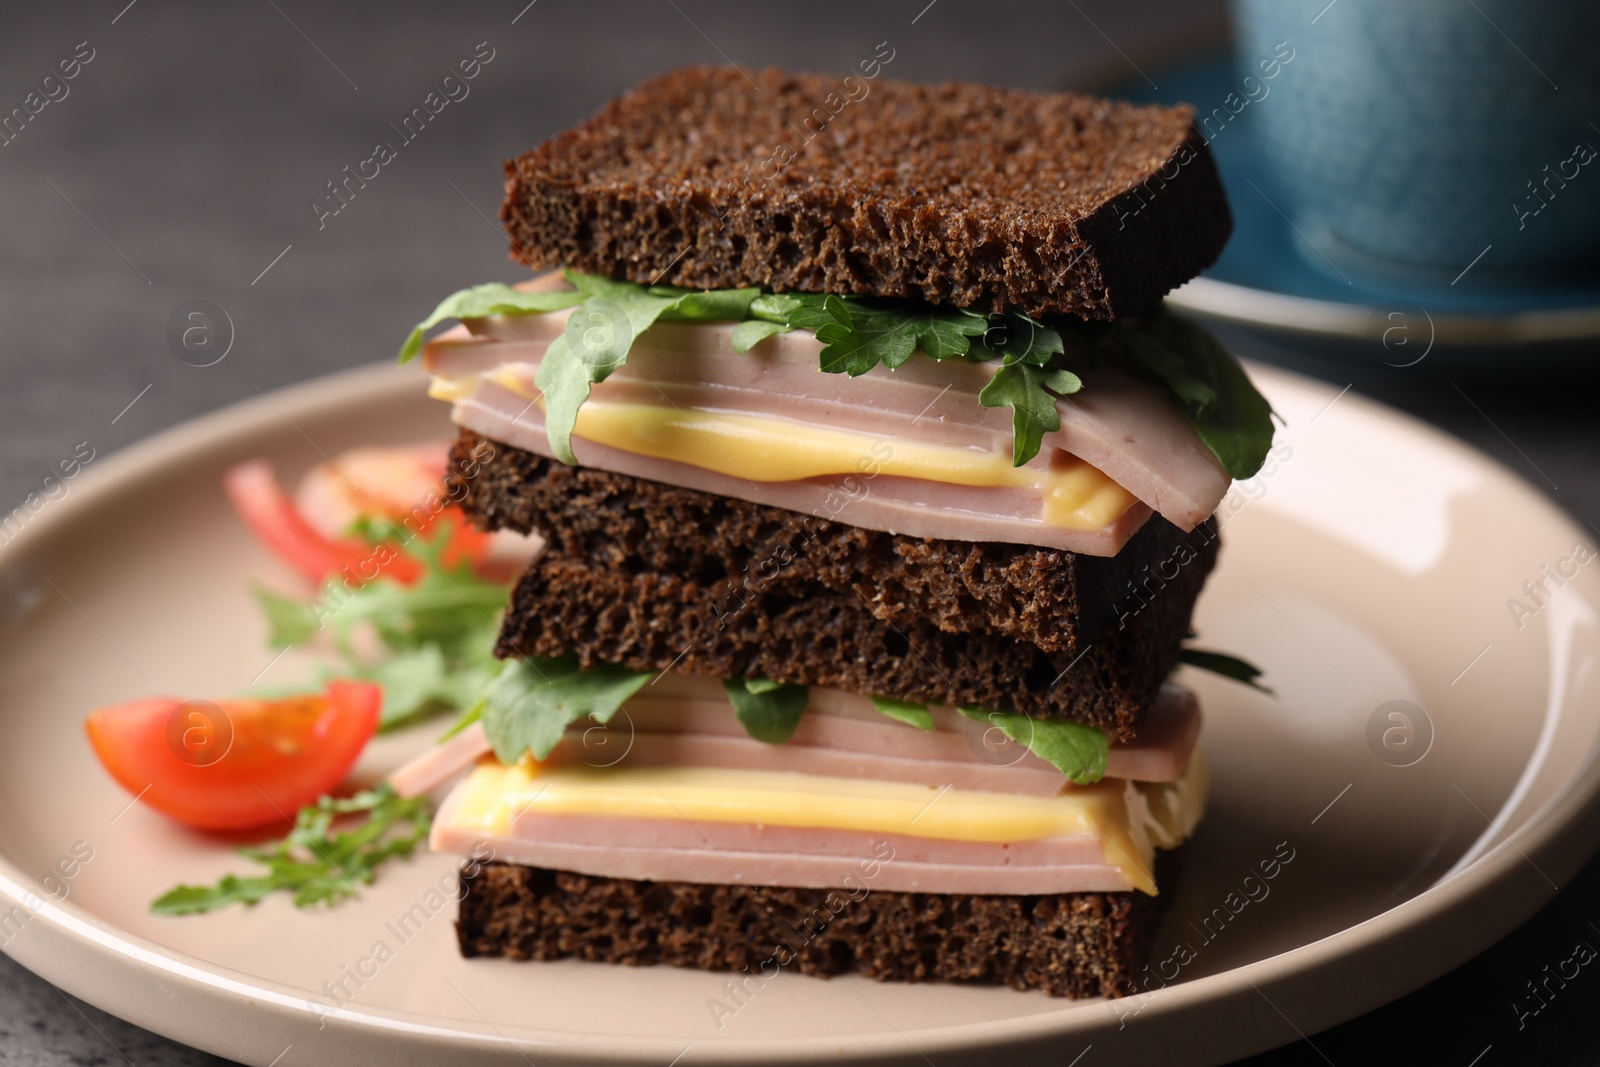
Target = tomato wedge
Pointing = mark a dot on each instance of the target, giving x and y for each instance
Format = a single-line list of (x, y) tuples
[(401, 483), (235, 764), (277, 523)]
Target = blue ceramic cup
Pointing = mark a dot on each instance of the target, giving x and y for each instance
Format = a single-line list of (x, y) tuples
[(1427, 135)]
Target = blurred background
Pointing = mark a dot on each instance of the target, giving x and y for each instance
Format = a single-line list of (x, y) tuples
[(182, 160)]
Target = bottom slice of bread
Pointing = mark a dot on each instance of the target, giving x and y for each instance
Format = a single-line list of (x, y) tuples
[(1065, 944)]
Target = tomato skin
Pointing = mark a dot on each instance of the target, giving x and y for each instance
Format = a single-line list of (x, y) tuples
[(235, 764), (401, 483), (272, 516)]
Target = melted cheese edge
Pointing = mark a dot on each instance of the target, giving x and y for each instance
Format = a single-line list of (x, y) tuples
[(1132, 819), (760, 448)]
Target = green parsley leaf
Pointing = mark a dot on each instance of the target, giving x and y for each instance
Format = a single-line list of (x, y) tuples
[(769, 711), (530, 704), (1225, 665), (907, 711), (494, 298), (316, 864), (1232, 418), (1077, 751), (1029, 391)]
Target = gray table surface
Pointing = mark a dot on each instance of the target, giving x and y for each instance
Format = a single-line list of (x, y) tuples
[(182, 164)]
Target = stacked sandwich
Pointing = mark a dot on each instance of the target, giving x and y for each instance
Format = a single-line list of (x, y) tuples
[(877, 489)]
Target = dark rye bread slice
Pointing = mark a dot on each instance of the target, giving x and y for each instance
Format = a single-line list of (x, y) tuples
[(1058, 601), (954, 193), (608, 604), (655, 621), (1064, 944)]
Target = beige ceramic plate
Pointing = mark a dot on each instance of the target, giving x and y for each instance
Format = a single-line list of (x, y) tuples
[(1371, 563)]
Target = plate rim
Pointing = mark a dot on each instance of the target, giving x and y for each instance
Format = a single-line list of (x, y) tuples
[(1305, 316), (1557, 836)]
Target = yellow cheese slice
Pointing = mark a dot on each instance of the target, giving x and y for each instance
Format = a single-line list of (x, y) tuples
[(761, 448), (495, 795)]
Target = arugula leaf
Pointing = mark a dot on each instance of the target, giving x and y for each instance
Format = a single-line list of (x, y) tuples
[(782, 308), (1030, 392), (291, 621), (230, 889), (530, 704), (835, 328), (948, 334), (769, 711), (313, 862), (564, 381), (1077, 751), (859, 336), (907, 711), (438, 634), (448, 605), (452, 611), (707, 305), (601, 331), (693, 305), (1232, 418), (752, 332), (1021, 339), (1225, 665), (417, 682), (494, 298), (469, 715)]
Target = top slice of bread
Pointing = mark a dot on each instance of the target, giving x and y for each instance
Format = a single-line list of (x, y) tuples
[(982, 198)]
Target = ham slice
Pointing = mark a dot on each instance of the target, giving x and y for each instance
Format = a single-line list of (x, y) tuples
[(907, 506), (985, 869), (686, 721), (1077, 849), (1119, 423), (441, 763), (1112, 851)]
